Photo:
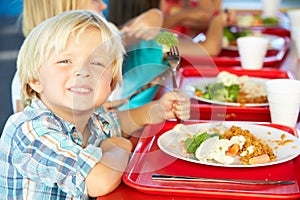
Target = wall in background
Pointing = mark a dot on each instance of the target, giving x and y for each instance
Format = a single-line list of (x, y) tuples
[(10, 7)]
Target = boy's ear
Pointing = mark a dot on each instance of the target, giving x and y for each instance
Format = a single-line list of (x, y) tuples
[(36, 86)]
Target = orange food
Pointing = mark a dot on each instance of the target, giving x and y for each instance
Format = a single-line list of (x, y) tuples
[(257, 22), (260, 148), (198, 93), (259, 159), (233, 150)]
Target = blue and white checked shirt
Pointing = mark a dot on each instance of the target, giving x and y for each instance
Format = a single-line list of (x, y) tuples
[(41, 155)]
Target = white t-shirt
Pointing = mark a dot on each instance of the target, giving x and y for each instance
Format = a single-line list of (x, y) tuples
[(15, 91)]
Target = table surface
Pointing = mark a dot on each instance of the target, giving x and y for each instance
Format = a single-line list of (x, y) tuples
[(290, 63)]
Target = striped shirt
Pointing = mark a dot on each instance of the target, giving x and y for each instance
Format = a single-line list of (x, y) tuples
[(41, 155)]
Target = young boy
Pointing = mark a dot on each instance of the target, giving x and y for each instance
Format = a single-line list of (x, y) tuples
[(65, 145)]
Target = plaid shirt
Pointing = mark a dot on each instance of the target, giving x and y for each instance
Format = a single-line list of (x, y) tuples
[(41, 155)]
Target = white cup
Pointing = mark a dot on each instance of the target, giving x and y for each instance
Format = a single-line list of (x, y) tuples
[(284, 101), (288, 108), (252, 51), (286, 119), (295, 32), (294, 16), (295, 35), (283, 86), (270, 8), (281, 97), (297, 45)]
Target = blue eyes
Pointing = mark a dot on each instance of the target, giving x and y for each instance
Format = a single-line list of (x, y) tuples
[(65, 61), (91, 63), (97, 63)]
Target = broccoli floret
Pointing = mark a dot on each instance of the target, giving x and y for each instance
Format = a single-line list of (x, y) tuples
[(219, 92), (229, 35), (167, 38), (232, 92), (244, 33)]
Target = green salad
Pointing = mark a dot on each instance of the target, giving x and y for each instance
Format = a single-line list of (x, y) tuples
[(232, 36), (270, 21), (191, 144), (219, 92)]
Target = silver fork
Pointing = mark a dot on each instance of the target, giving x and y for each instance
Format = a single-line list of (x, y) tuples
[(173, 58)]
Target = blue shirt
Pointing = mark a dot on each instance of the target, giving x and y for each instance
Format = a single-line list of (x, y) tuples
[(143, 62), (41, 155)]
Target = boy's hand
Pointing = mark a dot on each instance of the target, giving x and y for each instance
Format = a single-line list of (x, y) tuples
[(172, 105)]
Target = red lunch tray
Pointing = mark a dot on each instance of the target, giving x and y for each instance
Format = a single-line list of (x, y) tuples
[(231, 58), (273, 58), (148, 159), (205, 111)]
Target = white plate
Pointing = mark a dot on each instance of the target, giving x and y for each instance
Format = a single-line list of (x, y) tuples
[(205, 81), (245, 21), (169, 142), (275, 42)]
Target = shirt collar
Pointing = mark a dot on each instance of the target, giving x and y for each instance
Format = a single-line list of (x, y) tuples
[(40, 108), (98, 122)]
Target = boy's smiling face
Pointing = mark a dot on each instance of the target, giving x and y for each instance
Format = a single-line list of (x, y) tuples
[(78, 78)]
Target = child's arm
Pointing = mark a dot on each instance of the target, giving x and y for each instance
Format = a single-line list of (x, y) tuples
[(170, 106), (106, 175), (194, 17), (138, 28), (214, 35)]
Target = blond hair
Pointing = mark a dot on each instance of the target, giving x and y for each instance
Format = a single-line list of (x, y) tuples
[(36, 11), (52, 35)]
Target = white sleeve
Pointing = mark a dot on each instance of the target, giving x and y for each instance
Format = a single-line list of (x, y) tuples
[(15, 91)]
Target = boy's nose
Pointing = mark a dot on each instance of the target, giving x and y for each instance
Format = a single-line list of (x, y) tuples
[(83, 72)]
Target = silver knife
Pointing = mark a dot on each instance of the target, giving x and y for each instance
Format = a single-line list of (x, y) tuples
[(237, 181)]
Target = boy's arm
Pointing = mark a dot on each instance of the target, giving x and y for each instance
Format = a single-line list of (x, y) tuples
[(170, 106), (106, 175)]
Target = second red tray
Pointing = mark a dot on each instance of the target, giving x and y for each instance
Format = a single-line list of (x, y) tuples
[(231, 58), (205, 111)]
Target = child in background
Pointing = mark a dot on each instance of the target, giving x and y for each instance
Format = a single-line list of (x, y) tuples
[(64, 145), (189, 16), (143, 61), (202, 20)]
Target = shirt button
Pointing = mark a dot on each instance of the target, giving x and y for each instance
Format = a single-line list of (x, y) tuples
[(75, 135)]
